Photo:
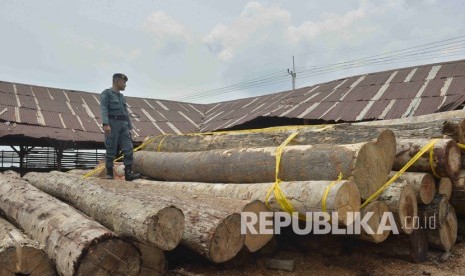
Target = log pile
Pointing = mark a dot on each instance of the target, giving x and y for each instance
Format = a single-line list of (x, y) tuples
[(76, 244), (247, 157), (197, 186)]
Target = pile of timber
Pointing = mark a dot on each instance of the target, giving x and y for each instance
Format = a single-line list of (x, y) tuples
[(241, 165), (197, 186)]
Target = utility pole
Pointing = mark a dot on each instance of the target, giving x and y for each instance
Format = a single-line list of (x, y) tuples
[(292, 73)]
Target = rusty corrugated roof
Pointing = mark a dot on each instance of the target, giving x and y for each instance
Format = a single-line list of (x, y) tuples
[(63, 114)]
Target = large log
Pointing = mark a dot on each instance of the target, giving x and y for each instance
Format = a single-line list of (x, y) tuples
[(213, 225), (402, 202), (157, 223), (365, 163), (423, 185), (19, 255), (448, 129), (331, 134), (378, 208), (305, 196), (446, 157), (77, 244), (443, 237), (452, 121)]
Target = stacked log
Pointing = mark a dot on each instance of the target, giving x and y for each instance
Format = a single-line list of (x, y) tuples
[(74, 242), (458, 194), (423, 185), (402, 202), (20, 255), (446, 157), (158, 223), (365, 163), (305, 196), (210, 229), (377, 208), (444, 236)]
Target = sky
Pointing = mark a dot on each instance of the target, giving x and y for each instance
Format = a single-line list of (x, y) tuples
[(216, 50)]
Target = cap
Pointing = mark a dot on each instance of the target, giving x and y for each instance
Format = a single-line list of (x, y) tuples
[(120, 76)]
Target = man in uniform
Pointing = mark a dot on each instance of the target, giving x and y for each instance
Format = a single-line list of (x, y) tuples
[(117, 126)]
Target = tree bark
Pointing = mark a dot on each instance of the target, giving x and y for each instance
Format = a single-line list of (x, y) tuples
[(444, 236), (447, 129), (452, 122), (422, 183), (446, 157), (402, 202), (157, 223), (378, 208), (435, 212), (305, 196), (364, 163), (78, 245), (21, 255), (213, 225)]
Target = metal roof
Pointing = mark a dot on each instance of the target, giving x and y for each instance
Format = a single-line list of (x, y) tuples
[(62, 114), (390, 94)]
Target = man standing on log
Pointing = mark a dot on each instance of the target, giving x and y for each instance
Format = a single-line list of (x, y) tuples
[(117, 126)]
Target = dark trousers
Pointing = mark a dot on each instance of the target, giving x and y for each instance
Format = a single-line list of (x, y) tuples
[(120, 136)]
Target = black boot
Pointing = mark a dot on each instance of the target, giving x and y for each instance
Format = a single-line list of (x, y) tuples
[(129, 175), (110, 173)]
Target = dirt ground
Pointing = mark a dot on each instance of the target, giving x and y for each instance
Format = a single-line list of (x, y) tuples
[(331, 255)]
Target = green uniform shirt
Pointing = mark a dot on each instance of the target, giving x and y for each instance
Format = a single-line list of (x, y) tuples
[(113, 103)]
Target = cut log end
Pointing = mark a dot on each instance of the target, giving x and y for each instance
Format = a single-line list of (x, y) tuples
[(407, 209), (153, 260), (166, 228), (25, 260), (373, 164), (347, 200), (453, 159), (445, 236), (110, 257), (254, 242), (378, 208), (227, 240), (445, 187), (435, 211), (427, 189)]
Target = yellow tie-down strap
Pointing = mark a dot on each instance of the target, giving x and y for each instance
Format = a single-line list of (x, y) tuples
[(428, 147), (280, 197)]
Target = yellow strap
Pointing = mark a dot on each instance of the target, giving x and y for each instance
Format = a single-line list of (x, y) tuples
[(462, 146), (280, 197), (326, 193), (431, 162), (161, 142), (399, 173)]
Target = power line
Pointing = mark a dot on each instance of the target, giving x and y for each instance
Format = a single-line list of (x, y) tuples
[(418, 52)]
